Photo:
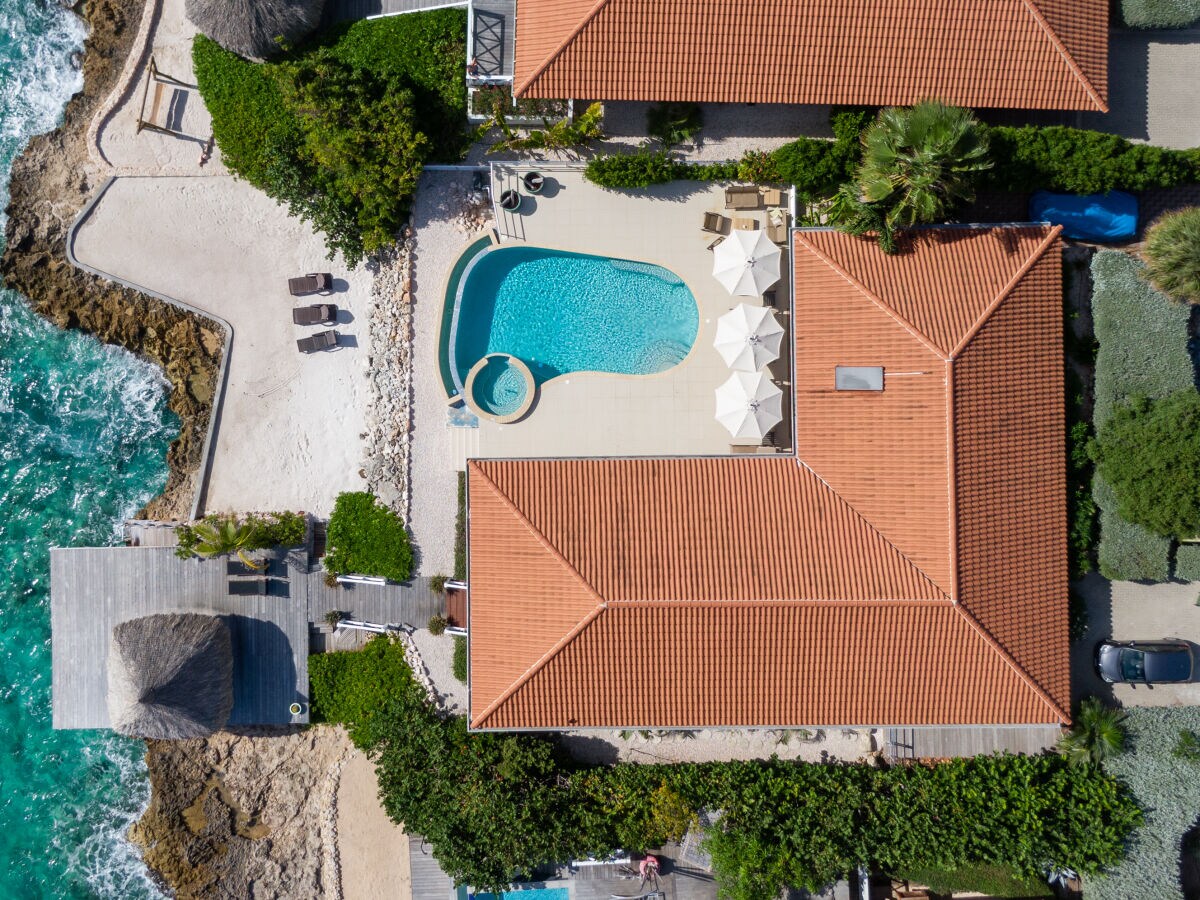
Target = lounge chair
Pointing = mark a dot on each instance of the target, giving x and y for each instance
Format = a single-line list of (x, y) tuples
[(315, 314), (772, 197), (742, 196), (312, 283), (777, 226), (322, 340), (715, 223)]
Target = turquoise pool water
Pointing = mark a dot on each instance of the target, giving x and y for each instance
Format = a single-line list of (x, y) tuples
[(568, 312), (499, 388), (555, 893)]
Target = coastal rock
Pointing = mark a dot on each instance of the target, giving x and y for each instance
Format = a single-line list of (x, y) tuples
[(51, 181), (239, 815)]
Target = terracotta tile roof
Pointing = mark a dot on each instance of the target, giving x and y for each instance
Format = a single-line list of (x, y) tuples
[(1025, 54), (909, 568)]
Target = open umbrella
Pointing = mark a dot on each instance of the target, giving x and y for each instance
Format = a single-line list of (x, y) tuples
[(746, 263), (749, 405), (748, 337)]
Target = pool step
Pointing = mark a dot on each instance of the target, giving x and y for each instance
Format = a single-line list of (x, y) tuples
[(464, 445)]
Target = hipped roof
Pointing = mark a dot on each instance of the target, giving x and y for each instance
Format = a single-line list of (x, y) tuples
[(908, 568), (1048, 54)]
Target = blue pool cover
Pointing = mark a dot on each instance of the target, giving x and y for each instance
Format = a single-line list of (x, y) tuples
[(1091, 217)]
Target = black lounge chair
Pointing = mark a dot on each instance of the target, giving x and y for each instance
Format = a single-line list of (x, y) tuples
[(322, 340), (315, 314), (312, 283)]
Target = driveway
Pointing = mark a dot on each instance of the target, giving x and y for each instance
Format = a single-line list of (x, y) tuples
[(1128, 610)]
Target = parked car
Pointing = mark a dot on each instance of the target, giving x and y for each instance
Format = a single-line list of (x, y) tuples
[(1144, 662)]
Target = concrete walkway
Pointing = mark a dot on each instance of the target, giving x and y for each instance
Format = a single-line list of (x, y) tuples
[(289, 432)]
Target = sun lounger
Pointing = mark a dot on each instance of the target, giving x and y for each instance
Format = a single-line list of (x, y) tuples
[(742, 196), (315, 314), (312, 283), (777, 226), (715, 223), (772, 197), (322, 340)]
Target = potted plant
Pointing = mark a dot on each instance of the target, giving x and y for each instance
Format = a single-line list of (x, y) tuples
[(510, 200), (296, 708), (534, 181)]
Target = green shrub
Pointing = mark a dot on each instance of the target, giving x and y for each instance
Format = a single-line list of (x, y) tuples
[(1167, 788), (338, 129), (1173, 255), (1187, 562), (333, 616), (674, 123), (624, 171), (437, 625), (1081, 508), (267, 531), (1160, 13), (1149, 453), (1142, 336), (367, 538), (1078, 161), (1187, 746), (1127, 552), (352, 687), (1077, 614), (992, 880), (460, 530), (437, 583), (460, 658)]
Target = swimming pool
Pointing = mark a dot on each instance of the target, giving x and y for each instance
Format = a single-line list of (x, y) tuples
[(552, 893), (569, 312)]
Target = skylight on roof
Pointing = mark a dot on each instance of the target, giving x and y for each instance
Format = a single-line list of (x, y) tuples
[(858, 378)]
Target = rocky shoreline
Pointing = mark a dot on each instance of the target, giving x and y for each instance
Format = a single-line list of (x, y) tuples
[(51, 182)]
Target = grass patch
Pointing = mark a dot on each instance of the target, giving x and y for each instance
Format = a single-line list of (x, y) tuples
[(995, 881), (460, 658), (1159, 13), (1167, 787), (1187, 562), (339, 128), (367, 538)]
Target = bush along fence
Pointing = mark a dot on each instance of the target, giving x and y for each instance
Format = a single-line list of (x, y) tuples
[(1143, 352), (498, 806)]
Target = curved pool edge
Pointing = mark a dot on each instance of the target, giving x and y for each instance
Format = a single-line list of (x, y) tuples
[(530, 396), (449, 335), (474, 250)]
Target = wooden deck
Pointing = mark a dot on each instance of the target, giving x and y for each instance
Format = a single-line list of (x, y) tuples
[(411, 603), (353, 10), (945, 743), (429, 882), (93, 589), (493, 26)]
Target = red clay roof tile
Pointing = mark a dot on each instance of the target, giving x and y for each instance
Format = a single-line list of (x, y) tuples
[(1050, 54), (909, 568)]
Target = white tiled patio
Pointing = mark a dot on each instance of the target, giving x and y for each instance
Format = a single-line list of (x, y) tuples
[(595, 414)]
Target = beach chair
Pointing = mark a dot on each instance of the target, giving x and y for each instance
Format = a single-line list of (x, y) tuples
[(715, 223), (315, 314), (312, 283), (322, 340)]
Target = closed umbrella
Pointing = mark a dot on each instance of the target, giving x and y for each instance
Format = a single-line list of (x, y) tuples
[(749, 405), (746, 263), (748, 337)]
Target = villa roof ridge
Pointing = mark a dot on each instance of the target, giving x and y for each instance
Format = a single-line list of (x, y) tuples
[(1035, 10), (566, 41), (1010, 661), (769, 602)]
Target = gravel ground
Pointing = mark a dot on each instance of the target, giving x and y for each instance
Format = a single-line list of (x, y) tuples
[(443, 226), (437, 655), (713, 745)]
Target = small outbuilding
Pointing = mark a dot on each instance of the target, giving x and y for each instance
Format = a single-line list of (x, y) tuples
[(170, 676), (255, 29)]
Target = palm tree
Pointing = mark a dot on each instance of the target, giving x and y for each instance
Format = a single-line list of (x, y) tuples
[(1099, 734), (222, 538), (920, 162)]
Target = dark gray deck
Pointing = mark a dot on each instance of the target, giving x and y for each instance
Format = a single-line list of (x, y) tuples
[(429, 882), (411, 603), (946, 743), (493, 26), (93, 589), (353, 10)]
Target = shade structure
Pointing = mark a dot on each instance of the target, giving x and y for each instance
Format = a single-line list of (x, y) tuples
[(746, 263), (255, 29), (749, 405), (170, 676), (748, 337)]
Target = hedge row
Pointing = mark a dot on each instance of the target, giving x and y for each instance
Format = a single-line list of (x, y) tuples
[(1128, 552), (1160, 13), (495, 806), (1187, 562)]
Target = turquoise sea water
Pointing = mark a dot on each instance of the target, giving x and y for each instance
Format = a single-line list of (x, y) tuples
[(83, 433), (568, 312)]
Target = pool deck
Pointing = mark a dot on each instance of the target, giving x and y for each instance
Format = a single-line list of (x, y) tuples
[(594, 414)]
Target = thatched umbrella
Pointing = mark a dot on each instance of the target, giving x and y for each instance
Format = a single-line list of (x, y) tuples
[(170, 676), (255, 29)]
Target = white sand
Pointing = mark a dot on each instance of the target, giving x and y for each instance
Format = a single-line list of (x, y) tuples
[(372, 849), (720, 745), (289, 432)]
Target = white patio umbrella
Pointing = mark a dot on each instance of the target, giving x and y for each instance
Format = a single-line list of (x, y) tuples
[(748, 337), (749, 405), (746, 263)]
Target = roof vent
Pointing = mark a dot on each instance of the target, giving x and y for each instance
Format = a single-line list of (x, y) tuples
[(858, 378)]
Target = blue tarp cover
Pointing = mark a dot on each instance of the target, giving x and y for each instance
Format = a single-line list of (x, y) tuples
[(1092, 217)]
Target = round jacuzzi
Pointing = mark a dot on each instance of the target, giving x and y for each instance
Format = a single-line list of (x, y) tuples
[(500, 387)]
